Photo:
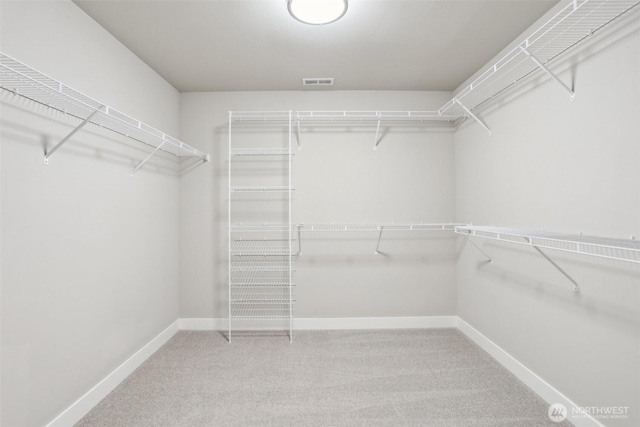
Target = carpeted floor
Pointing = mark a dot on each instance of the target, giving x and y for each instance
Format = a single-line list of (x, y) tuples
[(434, 377)]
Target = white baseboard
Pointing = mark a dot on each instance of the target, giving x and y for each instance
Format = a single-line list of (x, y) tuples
[(542, 388), (324, 323), (418, 322), (546, 391), (203, 324), (82, 406)]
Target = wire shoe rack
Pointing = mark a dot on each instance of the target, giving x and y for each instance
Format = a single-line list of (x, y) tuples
[(261, 256)]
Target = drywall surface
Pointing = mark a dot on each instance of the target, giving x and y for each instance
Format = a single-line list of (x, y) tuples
[(338, 178), (89, 255), (569, 167)]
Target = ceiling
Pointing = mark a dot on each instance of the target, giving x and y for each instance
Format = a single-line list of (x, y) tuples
[(247, 45)]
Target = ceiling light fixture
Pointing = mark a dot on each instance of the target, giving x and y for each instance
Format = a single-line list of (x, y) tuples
[(317, 12)]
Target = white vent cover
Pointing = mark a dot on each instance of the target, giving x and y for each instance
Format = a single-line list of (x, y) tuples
[(316, 81)]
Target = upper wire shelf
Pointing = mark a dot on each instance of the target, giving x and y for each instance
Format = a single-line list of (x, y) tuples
[(261, 152), (25, 81), (335, 227), (341, 116), (574, 22), (603, 247), (261, 189)]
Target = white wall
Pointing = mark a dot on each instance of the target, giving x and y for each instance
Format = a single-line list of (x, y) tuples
[(89, 255), (338, 178), (568, 167)]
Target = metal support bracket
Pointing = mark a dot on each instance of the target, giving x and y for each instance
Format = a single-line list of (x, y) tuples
[(576, 288), (377, 252), (49, 153), (572, 94), (473, 116), (376, 141), (479, 248), (298, 132), (146, 159), (299, 241)]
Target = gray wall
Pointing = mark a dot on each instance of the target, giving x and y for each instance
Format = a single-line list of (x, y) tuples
[(568, 167), (89, 255), (338, 178)]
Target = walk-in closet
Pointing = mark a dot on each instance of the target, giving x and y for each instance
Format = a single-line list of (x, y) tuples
[(320, 213)]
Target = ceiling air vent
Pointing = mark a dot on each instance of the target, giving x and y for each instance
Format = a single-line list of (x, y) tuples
[(317, 81)]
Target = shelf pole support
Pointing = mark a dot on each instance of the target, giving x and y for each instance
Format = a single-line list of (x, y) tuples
[(297, 132), (146, 159), (49, 153), (376, 141), (572, 94), (299, 240), (473, 116), (576, 288), (478, 248), (377, 252)]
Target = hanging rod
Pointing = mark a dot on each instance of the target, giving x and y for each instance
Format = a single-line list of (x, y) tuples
[(20, 79)]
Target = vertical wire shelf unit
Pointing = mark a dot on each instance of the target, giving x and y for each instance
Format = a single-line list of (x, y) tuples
[(260, 254), (20, 79)]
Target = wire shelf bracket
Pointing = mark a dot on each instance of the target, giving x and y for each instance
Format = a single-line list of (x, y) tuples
[(49, 153), (489, 259), (560, 269), (473, 116), (572, 94)]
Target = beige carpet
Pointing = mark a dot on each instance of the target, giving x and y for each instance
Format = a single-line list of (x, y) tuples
[(434, 377)]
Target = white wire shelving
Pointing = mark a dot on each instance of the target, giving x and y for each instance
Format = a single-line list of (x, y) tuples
[(574, 22), (627, 250), (338, 227), (261, 258), (261, 152), (261, 189), (20, 79)]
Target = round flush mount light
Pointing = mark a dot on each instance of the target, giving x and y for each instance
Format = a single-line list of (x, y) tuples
[(317, 12)]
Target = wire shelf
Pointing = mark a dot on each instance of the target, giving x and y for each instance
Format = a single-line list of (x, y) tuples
[(572, 24), (260, 268), (269, 227), (334, 227), (260, 116), (261, 189), (262, 152), (29, 83), (627, 250), (262, 317), (262, 284), (342, 116), (261, 301)]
